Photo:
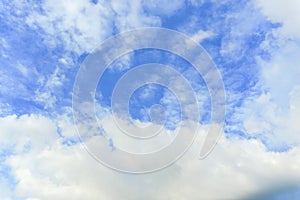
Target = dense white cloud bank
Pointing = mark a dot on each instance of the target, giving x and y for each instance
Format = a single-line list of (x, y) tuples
[(50, 170)]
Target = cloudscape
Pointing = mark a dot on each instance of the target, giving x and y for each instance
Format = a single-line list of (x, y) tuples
[(144, 99)]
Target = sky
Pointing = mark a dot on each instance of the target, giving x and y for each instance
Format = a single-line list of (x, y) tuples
[(254, 46)]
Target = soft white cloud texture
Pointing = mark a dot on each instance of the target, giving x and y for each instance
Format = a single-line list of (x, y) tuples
[(51, 170), (285, 12)]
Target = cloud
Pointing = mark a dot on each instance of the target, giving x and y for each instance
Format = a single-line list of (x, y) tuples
[(82, 25), (285, 12), (272, 115), (75, 25), (51, 170), (50, 39), (201, 35)]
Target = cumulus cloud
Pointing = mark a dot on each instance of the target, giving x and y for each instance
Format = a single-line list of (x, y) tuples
[(51, 170)]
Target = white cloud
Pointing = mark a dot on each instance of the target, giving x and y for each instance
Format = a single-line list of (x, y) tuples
[(278, 126), (37, 131), (51, 170), (285, 12), (281, 73), (80, 26), (201, 35), (77, 25), (273, 114)]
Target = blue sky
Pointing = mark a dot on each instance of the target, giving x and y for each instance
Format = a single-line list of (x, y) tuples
[(255, 46)]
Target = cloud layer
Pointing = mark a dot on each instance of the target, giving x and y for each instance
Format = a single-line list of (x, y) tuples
[(50, 169)]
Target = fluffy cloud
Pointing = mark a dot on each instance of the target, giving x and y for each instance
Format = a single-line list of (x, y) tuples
[(285, 12), (51, 170)]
